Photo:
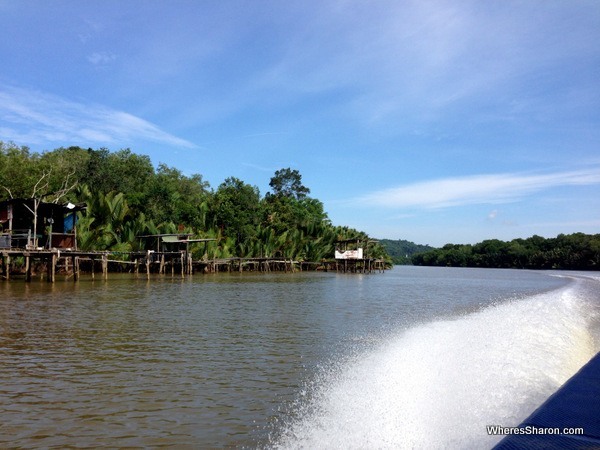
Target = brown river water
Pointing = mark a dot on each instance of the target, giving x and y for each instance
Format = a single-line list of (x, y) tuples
[(247, 360)]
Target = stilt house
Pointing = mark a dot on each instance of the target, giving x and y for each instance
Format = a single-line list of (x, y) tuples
[(29, 223)]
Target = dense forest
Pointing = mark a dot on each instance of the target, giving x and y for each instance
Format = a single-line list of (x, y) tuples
[(576, 251), (402, 251), (126, 196)]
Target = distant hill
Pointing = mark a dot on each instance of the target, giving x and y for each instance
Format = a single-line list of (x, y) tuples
[(401, 251)]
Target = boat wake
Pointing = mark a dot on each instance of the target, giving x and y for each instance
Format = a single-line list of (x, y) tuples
[(439, 384)]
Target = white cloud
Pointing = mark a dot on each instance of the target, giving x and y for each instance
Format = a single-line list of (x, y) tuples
[(98, 58), (477, 189), (33, 117)]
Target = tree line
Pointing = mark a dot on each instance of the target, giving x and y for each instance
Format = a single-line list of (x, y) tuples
[(126, 197), (576, 251)]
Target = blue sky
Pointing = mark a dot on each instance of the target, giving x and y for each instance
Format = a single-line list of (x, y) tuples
[(432, 121)]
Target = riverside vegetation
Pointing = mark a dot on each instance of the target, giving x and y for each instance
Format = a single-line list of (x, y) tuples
[(127, 197), (577, 251)]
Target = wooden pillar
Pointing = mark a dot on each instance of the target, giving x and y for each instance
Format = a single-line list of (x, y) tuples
[(93, 271), (161, 268), (105, 266), (75, 268), (49, 269), (27, 267), (182, 266), (52, 268), (137, 267), (148, 265)]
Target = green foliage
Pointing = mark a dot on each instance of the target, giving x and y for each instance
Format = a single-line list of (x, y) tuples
[(127, 197), (577, 251), (402, 251), (171, 196), (236, 211), (19, 171), (288, 183), (121, 171)]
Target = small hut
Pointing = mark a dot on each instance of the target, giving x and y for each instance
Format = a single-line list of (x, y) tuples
[(353, 255), (29, 223), (349, 249)]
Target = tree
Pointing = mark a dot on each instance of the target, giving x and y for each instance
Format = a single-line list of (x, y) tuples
[(236, 210), (288, 183), (122, 171), (174, 197), (19, 171)]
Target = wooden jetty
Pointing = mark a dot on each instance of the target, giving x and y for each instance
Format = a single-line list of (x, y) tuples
[(47, 264), (49, 259)]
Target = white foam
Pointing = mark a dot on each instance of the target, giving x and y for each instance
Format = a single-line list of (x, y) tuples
[(438, 385)]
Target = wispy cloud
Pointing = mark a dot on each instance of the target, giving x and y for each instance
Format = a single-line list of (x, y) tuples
[(32, 117), (477, 189), (101, 58), (419, 59), (259, 167), (493, 214)]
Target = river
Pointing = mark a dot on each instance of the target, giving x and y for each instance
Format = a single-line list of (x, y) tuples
[(412, 358)]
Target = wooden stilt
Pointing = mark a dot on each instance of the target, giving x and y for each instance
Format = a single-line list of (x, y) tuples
[(105, 266), (76, 268), (27, 267), (148, 265), (52, 268)]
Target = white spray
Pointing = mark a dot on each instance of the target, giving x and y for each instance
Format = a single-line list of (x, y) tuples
[(438, 385)]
